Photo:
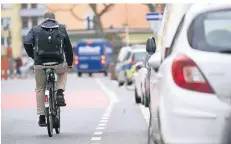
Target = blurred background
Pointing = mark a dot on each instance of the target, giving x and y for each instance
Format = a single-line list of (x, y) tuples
[(118, 23)]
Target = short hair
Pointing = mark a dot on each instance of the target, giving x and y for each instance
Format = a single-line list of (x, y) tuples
[(49, 15)]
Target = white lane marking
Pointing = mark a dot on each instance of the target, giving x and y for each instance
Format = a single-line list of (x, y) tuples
[(145, 112), (96, 138), (98, 133), (100, 128), (103, 121), (104, 118), (102, 124), (111, 94)]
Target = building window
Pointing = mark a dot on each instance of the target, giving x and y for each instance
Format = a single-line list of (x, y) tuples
[(25, 22), (24, 6), (33, 6), (34, 21), (5, 6)]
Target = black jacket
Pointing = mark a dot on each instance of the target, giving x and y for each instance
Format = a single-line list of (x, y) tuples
[(29, 42)]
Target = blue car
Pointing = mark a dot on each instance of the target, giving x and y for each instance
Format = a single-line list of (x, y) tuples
[(93, 56)]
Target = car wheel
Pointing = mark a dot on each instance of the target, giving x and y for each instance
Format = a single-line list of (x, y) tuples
[(105, 74), (120, 83), (137, 99), (79, 74)]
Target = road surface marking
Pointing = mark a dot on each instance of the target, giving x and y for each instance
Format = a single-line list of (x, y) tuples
[(103, 121), (96, 138), (98, 133), (104, 118), (100, 128), (102, 124), (110, 93)]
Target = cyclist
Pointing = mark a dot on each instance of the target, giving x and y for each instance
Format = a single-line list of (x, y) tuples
[(36, 40)]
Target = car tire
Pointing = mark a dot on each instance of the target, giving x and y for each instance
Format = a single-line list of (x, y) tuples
[(105, 74), (137, 99), (120, 83), (79, 74)]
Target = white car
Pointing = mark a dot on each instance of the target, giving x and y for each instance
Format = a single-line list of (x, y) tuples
[(134, 55), (190, 88), (137, 82)]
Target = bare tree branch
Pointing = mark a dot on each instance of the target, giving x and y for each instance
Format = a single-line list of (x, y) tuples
[(106, 8)]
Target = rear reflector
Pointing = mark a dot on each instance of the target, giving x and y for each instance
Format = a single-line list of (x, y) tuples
[(186, 74)]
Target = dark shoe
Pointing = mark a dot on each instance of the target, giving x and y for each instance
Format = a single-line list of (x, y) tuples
[(42, 121), (60, 98)]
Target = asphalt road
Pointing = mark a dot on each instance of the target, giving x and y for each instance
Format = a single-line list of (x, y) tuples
[(97, 112)]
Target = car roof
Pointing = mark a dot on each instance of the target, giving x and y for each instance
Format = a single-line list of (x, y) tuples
[(138, 50)]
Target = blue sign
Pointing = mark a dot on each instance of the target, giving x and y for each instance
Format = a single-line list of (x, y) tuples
[(154, 16)]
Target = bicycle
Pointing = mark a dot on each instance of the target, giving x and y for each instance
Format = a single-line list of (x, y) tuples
[(52, 111)]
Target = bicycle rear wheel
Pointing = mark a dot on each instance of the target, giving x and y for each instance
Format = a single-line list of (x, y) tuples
[(49, 120), (57, 121)]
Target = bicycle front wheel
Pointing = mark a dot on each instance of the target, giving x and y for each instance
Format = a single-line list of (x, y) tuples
[(49, 122), (57, 121)]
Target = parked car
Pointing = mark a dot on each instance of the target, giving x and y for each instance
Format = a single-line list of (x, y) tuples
[(134, 55), (137, 81), (190, 88), (144, 74)]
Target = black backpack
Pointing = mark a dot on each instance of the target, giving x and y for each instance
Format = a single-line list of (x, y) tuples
[(49, 44)]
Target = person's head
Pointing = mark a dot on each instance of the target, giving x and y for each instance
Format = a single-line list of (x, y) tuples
[(49, 15)]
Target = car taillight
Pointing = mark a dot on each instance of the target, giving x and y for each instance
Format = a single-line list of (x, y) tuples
[(132, 62), (76, 59), (103, 59), (186, 74)]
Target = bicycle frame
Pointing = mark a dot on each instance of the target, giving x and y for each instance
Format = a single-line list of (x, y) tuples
[(50, 96)]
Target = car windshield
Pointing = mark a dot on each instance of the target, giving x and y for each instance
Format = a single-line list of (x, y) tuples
[(211, 32), (139, 56)]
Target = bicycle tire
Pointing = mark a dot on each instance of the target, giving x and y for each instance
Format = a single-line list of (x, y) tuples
[(57, 129), (49, 123)]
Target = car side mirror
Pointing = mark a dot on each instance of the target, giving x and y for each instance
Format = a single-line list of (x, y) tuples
[(155, 60), (151, 46)]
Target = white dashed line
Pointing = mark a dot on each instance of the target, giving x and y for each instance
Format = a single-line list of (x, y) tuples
[(100, 128), (98, 133), (103, 122), (96, 138)]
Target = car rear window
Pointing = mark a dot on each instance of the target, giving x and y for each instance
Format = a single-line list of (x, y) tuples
[(211, 31), (139, 56)]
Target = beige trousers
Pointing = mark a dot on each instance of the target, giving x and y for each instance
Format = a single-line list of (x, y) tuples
[(61, 71)]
